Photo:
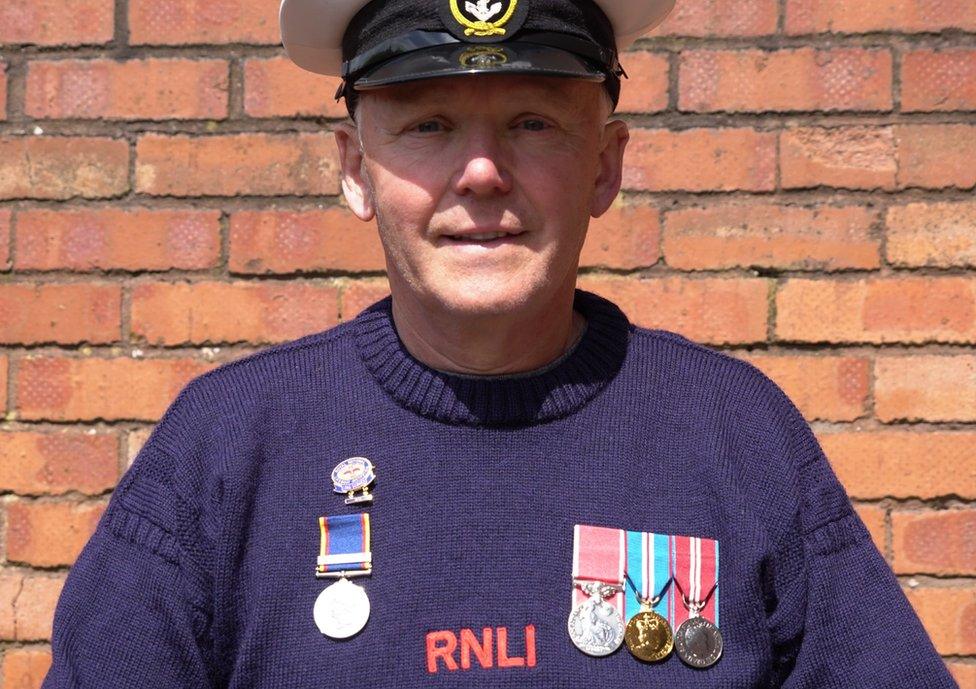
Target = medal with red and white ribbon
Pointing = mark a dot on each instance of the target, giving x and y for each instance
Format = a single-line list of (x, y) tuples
[(697, 639), (596, 623)]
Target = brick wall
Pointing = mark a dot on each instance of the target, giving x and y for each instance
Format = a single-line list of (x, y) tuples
[(799, 192)]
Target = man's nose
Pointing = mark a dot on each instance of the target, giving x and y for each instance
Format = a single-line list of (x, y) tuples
[(484, 169)]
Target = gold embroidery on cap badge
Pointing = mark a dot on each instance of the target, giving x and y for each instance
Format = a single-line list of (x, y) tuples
[(483, 10)]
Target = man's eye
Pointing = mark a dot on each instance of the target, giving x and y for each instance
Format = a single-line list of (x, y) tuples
[(429, 127), (533, 125)]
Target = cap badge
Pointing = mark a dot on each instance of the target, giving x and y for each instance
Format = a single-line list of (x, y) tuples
[(484, 20)]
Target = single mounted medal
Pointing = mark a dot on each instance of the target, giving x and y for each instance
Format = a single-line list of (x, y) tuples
[(342, 609), (648, 636), (353, 477), (698, 642), (596, 622)]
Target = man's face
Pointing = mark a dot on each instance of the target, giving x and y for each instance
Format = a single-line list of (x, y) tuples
[(483, 186)]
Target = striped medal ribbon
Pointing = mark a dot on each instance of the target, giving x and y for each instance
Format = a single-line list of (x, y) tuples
[(342, 609)]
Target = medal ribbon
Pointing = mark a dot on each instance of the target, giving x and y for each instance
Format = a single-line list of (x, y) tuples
[(695, 562), (344, 545), (599, 554), (649, 566)]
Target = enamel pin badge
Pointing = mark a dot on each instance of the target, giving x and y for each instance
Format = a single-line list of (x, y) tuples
[(353, 477)]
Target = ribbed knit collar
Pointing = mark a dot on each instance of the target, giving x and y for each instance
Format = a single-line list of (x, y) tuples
[(549, 393)]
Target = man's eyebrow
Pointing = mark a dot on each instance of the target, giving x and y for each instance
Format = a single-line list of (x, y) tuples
[(564, 93)]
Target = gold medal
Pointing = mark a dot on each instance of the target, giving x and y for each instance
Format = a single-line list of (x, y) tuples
[(648, 636)]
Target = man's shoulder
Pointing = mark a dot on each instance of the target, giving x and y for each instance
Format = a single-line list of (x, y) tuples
[(681, 360), (279, 366)]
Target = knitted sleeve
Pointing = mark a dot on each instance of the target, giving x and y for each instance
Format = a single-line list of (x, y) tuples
[(837, 615), (135, 610)]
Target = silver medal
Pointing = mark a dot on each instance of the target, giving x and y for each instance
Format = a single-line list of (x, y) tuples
[(341, 610), (595, 626), (698, 642)]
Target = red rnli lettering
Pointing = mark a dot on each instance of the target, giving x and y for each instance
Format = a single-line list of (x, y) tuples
[(491, 650)]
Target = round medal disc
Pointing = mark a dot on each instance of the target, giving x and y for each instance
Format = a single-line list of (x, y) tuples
[(698, 642), (649, 637), (341, 610), (596, 627)]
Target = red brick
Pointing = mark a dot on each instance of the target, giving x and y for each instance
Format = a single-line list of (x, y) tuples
[(938, 80), (4, 365), (911, 309), (873, 517), (712, 311), (949, 616), (61, 313), (61, 167), (824, 388), (934, 542), (626, 237), (11, 581), (925, 388), (49, 534), (151, 89), (903, 464), (68, 389), (964, 673), (5, 236), (846, 157), (51, 463), (720, 18), (134, 442), (25, 667), (216, 312), (771, 236), (57, 22), (3, 90), (936, 155), (785, 80), (27, 602), (841, 16), (700, 160), (178, 22), (331, 239), (88, 239), (942, 235), (277, 87), (362, 293), (646, 89), (240, 164)]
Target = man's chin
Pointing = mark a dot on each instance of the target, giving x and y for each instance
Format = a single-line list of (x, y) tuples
[(487, 297)]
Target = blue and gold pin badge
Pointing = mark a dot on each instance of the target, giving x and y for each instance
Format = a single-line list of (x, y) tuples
[(353, 477), (483, 21)]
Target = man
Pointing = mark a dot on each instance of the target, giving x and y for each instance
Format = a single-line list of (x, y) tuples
[(523, 483)]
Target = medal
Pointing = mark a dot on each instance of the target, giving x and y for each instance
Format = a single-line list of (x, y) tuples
[(342, 609), (698, 641), (648, 635), (596, 624), (352, 475)]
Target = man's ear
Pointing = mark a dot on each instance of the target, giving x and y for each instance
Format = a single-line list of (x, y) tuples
[(610, 172), (355, 186)]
